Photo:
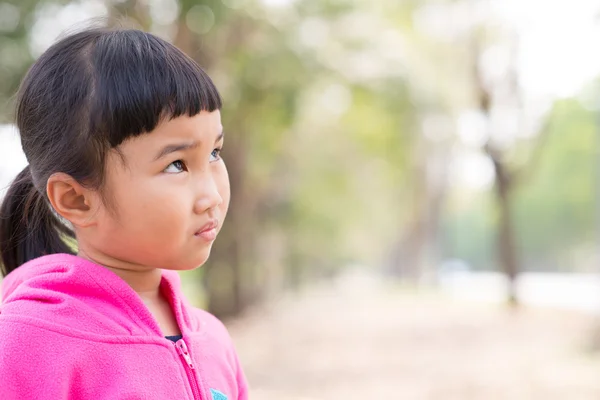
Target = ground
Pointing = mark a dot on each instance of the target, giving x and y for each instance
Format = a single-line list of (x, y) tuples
[(359, 338)]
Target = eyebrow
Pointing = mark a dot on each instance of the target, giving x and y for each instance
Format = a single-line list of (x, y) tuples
[(172, 148)]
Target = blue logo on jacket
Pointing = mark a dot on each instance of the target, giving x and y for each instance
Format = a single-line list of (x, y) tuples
[(216, 395)]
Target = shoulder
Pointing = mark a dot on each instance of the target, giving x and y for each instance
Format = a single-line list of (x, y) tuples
[(210, 323), (213, 331), (24, 334), (28, 350)]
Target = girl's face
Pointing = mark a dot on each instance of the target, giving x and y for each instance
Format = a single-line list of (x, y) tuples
[(167, 194)]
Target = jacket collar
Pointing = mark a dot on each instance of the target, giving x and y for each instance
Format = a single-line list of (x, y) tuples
[(72, 291)]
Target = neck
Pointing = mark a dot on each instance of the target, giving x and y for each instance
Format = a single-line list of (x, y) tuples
[(143, 280)]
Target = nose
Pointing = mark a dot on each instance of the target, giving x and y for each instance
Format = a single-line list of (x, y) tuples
[(208, 196)]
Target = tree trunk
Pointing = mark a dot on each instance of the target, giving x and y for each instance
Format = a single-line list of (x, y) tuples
[(415, 256), (507, 250), (504, 184), (406, 255)]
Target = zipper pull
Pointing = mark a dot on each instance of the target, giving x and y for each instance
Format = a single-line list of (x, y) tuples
[(183, 352)]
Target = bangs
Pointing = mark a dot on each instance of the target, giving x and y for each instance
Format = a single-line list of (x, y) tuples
[(141, 80)]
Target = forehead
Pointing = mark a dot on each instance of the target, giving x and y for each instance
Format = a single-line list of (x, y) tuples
[(203, 128)]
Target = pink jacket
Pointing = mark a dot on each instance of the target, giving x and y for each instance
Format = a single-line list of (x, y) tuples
[(71, 329)]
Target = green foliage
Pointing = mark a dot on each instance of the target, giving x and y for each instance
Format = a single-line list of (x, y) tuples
[(556, 211)]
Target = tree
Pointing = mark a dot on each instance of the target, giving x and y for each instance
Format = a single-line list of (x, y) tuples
[(507, 176)]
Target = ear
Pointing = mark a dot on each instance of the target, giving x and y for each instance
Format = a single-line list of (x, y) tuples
[(72, 201)]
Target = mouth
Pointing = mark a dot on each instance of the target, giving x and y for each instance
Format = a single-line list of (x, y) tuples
[(209, 231)]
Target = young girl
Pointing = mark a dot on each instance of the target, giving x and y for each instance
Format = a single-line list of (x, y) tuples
[(122, 133)]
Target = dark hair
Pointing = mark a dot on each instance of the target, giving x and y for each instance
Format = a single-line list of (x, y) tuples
[(85, 95)]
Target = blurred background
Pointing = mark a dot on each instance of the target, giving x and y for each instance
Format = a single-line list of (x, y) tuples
[(416, 187)]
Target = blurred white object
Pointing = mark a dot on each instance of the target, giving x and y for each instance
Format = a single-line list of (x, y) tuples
[(571, 291), (12, 158)]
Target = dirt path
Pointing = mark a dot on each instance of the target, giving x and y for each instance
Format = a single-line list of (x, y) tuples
[(359, 340)]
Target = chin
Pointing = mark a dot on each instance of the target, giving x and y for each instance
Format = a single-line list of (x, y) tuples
[(198, 261), (190, 259)]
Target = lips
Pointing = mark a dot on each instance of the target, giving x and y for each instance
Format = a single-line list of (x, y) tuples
[(209, 231), (212, 224)]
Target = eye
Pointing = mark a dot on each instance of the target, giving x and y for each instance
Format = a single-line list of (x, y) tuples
[(175, 167), (215, 155)]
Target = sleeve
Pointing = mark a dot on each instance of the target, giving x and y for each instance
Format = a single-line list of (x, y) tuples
[(242, 383)]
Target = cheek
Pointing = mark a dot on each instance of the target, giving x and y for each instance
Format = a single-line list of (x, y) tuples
[(224, 188), (144, 204)]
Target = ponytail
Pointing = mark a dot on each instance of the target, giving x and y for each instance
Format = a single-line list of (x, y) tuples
[(28, 227)]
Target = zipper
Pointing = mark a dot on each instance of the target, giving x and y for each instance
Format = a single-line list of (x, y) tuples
[(182, 349)]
